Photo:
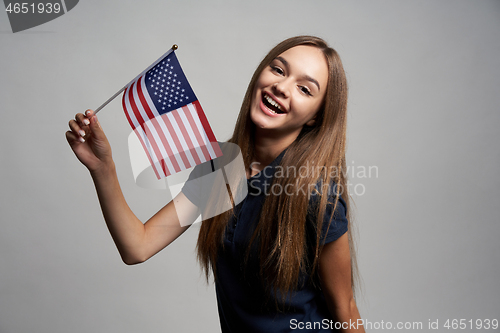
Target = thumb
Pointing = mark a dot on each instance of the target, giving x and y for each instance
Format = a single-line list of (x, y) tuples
[(96, 128)]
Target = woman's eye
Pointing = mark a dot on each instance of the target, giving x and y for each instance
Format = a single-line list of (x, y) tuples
[(305, 90), (277, 70)]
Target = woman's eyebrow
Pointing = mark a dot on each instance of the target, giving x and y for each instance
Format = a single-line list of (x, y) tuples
[(307, 77)]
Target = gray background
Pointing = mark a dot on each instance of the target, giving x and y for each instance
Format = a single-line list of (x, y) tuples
[(424, 96)]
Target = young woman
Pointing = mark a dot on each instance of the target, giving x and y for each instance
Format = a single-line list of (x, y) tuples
[(282, 259)]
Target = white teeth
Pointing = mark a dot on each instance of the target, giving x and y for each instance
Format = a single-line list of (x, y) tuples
[(272, 102)]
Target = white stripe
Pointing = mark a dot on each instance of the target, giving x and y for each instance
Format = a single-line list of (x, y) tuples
[(192, 135), (136, 158), (133, 93), (177, 130), (207, 143), (152, 129), (138, 128), (164, 128)]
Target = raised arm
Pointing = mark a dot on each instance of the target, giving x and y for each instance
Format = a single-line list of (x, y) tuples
[(135, 241)]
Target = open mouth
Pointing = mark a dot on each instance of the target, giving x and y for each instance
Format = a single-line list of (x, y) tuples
[(271, 104)]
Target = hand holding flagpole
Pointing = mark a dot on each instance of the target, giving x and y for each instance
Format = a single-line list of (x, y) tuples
[(174, 47)]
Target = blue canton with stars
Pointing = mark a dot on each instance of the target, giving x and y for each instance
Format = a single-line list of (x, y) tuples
[(167, 85)]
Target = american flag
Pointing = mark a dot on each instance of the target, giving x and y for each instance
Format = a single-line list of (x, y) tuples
[(165, 114)]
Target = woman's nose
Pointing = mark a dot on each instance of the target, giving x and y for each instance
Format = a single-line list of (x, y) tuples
[(282, 88)]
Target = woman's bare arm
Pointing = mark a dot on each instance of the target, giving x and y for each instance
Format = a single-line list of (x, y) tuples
[(335, 275), (135, 241)]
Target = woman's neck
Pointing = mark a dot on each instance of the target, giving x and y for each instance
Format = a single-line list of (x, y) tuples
[(267, 148)]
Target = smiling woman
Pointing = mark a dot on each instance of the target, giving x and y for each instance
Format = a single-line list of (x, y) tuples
[(280, 259), (288, 93)]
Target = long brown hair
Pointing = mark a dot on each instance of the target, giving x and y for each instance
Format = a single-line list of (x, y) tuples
[(281, 231)]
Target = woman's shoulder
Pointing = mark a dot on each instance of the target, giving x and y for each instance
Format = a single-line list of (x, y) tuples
[(334, 222), (331, 190)]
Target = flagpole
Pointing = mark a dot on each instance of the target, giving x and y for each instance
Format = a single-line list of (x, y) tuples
[(174, 47)]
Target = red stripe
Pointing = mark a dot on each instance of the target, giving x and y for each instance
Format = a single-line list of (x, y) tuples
[(145, 129), (206, 127), (165, 167), (216, 148), (159, 131), (163, 142), (185, 133), (136, 112), (147, 154), (177, 142), (126, 110), (149, 113), (127, 114), (199, 138)]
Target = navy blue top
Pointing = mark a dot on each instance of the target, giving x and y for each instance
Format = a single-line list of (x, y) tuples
[(243, 302)]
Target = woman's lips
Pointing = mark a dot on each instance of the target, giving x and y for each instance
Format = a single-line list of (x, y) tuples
[(270, 106), (268, 111)]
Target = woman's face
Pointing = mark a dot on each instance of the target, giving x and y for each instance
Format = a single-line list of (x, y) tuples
[(290, 91)]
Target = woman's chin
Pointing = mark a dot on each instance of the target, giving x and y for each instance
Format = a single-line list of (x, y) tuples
[(262, 124)]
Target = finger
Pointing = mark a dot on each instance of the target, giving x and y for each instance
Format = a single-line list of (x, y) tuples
[(96, 128), (77, 130), (82, 120), (72, 138)]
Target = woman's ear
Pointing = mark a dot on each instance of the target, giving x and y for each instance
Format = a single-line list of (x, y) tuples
[(312, 122)]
